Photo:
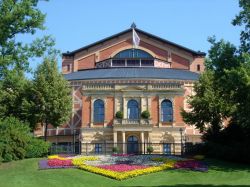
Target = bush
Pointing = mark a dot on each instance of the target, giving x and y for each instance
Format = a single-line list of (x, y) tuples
[(115, 150), (37, 148), (150, 149), (16, 141), (145, 114), (14, 137), (119, 115)]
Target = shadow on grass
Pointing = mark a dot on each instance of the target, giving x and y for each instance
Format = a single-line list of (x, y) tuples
[(195, 185), (224, 166)]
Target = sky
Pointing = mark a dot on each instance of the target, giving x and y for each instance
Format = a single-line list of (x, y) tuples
[(76, 23)]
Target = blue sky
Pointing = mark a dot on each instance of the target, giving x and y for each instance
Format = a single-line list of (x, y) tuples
[(76, 23)]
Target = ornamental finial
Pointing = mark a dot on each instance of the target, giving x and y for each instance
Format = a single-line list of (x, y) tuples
[(133, 25)]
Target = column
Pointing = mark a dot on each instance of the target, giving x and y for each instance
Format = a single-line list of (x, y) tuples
[(123, 142), (159, 110), (115, 138), (91, 111), (142, 142)]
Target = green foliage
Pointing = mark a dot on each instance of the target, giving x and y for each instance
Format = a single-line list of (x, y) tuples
[(119, 114), (52, 95), (150, 149), (16, 141), (115, 149), (223, 95), (145, 114), (17, 18), (243, 19), (14, 138), (37, 148)]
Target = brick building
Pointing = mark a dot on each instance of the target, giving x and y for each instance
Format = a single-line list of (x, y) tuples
[(111, 76)]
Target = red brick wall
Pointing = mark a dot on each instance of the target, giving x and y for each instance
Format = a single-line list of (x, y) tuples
[(86, 109), (179, 62), (109, 111), (155, 110), (178, 105), (104, 54), (162, 54), (87, 63)]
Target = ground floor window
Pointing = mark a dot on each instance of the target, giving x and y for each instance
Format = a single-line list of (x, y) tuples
[(167, 148), (98, 148)]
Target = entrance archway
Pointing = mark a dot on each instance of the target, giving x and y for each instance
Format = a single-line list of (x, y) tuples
[(132, 145)]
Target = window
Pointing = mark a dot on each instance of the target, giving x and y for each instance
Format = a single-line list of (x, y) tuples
[(133, 53), (167, 148), (68, 67), (98, 148), (198, 67), (98, 111), (133, 110), (166, 111)]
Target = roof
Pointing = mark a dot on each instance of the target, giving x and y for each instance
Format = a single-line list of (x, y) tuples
[(196, 53), (132, 73)]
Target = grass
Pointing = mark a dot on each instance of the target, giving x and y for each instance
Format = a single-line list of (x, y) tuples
[(25, 173)]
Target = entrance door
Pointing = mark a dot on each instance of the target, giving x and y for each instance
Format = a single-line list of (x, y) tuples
[(132, 145)]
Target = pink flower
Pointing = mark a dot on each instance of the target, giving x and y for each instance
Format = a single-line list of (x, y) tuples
[(122, 167), (57, 162)]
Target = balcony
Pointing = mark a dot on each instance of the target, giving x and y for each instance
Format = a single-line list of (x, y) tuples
[(129, 124)]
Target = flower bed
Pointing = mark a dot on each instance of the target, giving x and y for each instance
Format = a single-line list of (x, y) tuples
[(122, 166), (192, 165)]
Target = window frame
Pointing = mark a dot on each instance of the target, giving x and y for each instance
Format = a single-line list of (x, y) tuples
[(99, 111), (167, 112)]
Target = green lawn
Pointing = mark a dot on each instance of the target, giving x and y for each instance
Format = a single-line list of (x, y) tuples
[(25, 173)]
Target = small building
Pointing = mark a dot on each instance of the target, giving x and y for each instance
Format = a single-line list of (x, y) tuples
[(114, 81)]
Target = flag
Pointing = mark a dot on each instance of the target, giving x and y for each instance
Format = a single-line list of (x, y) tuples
[(136, 39)]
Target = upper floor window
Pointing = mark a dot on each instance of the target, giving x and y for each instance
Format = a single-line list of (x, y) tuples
[(166, 111), (198, 67), (133, 53), (133, 109), (99, 111)]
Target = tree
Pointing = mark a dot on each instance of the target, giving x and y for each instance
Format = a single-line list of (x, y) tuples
[(19, 18), (243, 19), (53, 101)]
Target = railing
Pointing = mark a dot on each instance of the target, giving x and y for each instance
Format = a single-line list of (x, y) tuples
[(132, 122), (104, 148)]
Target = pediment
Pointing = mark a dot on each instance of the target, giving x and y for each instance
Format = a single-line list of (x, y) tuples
[(132, 88)]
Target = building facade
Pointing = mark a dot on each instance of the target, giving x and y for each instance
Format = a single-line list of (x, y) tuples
[(113, 83)]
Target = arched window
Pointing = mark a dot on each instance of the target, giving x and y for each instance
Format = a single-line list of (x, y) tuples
[(133, 110), (133, 53), (133, 57), (166, 111), (98, 111)]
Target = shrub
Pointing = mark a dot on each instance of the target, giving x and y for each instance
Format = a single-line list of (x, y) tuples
[(145, 114), (16, 141), (150, 149), (119, 115), (37, 148), (115, 149), (14, 138)]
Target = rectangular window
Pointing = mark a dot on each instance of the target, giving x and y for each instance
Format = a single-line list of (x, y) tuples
[(68, 67), (167, 148), (133, 62), (98, 148), (118, 62), (147, 62), (198, 67)]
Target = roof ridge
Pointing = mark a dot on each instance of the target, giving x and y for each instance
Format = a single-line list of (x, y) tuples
[(130, 30)]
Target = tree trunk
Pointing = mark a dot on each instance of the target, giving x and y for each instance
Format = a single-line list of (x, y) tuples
[(45, 131)]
